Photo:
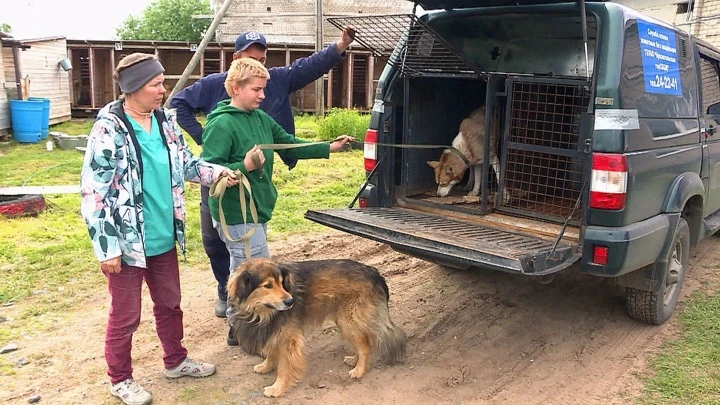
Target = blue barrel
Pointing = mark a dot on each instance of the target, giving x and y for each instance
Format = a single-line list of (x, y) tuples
[(26, 120), (46, 115)]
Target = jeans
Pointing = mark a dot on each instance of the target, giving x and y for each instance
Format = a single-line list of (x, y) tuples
[(258, 248), (162, 277)]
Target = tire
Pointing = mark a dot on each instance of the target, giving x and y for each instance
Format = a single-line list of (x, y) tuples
[(656, 307), (21, 205)]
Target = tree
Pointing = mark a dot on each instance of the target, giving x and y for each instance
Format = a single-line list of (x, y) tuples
[(5, 27), (168, 20)]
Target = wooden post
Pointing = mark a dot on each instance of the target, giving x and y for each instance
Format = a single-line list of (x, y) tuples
[(319, 86), (350, 62), (222, 58), (18, 71), (330, 89), (70, 78), (112, 68), (370, 81), (91, 62), (200, 50), (287, 56)]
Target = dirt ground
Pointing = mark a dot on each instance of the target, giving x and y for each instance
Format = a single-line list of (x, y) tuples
[(474, 338)]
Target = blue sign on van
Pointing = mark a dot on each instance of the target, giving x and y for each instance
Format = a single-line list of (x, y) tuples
[(660, 59)]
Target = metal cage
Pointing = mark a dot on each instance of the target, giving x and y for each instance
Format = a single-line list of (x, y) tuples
[(422, 52), (543, 156)]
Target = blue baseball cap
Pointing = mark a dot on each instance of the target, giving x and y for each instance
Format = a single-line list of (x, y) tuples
[(244, 40)]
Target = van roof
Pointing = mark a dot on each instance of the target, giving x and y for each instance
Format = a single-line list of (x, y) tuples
[(456, 4)]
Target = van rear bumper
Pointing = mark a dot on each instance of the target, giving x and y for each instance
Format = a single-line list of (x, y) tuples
[(629, 248)]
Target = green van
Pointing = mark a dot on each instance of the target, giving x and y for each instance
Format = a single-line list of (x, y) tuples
[(608, 152)]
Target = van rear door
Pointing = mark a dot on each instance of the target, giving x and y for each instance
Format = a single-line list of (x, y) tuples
[(454, 241)]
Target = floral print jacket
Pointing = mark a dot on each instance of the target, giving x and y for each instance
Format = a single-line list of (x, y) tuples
[(111, 187)]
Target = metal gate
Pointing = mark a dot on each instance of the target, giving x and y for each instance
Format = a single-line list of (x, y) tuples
[(543, 153), (422, 52)]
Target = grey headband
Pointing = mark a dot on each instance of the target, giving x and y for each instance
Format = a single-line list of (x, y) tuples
[(136, 76)]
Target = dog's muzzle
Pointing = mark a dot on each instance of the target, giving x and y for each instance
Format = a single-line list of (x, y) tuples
[(287, 303)]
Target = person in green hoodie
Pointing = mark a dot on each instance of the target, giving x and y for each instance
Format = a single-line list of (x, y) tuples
[(230, 138)]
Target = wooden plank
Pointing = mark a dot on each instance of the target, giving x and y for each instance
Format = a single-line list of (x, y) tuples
[(70, 189)]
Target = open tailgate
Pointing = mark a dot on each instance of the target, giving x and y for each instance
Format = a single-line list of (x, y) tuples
[(453, 241)]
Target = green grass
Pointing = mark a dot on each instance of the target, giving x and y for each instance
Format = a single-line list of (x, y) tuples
[(74, 127), (306, 126), (688, 369), (47, 264), (32, 165), (343, 122)]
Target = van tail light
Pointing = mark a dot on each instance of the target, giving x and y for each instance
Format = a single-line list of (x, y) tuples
[(370, 151), (362, 203), (608, 186)]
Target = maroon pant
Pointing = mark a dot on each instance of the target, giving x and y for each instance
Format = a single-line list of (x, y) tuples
[(163, 280)]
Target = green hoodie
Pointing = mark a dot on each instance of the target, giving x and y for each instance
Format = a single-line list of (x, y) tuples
[(228, 135)]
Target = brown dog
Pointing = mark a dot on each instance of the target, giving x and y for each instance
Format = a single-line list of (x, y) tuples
[(275, 305), (470, 142)]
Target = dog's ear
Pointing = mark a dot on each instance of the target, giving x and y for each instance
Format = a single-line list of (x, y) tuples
[(433, 163), (241, 284), (288, 282)]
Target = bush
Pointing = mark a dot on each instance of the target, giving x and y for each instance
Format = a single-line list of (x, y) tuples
[(339, 121)]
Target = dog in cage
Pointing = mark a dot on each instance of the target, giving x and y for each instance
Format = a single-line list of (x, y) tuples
[(468, 153)]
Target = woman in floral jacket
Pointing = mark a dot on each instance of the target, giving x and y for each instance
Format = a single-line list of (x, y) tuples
[(132, 184)]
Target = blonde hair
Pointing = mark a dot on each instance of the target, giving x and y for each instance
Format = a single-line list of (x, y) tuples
[(241, 71), (130, 60)]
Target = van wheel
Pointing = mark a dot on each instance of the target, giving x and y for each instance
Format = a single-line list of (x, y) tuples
[(656, 307)]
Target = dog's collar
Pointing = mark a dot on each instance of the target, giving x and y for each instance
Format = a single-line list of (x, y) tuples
[(460, 155)]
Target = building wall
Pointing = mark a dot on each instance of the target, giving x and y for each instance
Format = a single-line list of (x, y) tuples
[(709, 30), (293, 21), (47, 78), (4, 104), (702, 22)]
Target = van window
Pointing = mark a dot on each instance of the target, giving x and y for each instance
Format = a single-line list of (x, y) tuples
[(710, 82), (657, 77), (521, 43)]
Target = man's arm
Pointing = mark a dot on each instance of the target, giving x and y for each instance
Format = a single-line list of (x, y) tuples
[(203, 96), (304, 71)]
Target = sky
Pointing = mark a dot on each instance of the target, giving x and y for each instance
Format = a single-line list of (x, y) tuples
[(74, 19)]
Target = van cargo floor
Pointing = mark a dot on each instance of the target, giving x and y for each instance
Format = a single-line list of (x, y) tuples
[(452, 241)]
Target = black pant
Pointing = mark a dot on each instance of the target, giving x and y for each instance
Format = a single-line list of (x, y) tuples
[(214, 246)]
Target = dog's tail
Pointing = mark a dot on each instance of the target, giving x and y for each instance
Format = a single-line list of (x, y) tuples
[(389, 339)]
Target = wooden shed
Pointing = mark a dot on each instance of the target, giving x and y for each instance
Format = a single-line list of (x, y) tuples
[(350, 85), (39, 60)]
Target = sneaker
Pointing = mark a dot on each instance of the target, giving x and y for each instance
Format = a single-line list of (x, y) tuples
[(231, 340), (130, 392), (191, 368), (221, 308)]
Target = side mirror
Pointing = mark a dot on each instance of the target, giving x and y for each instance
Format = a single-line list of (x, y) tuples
[(714, 109)]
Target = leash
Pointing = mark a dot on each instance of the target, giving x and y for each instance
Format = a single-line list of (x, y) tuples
[(218, 188), (283, 146)]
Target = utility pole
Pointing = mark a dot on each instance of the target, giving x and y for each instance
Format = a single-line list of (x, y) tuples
[(200, 49), (319, 83)]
